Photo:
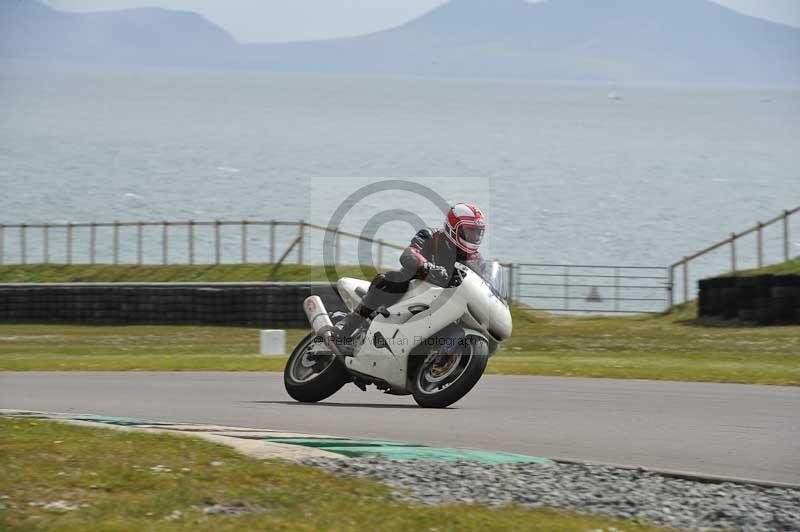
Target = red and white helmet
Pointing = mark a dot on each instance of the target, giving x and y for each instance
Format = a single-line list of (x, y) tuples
[(465, 226)]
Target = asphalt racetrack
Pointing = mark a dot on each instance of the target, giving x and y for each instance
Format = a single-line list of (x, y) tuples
[(736, 431)]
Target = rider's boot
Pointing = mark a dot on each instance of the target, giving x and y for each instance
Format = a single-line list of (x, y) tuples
[(350, 324)]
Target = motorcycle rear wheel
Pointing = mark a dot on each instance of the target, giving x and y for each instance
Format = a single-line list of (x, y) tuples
[(431, 387), (309, 378)]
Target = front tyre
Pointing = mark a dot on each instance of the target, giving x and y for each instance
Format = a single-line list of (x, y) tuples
[(446, 379), (312, 373)]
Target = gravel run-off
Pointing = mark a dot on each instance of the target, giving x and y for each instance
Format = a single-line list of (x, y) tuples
[(621, 493)]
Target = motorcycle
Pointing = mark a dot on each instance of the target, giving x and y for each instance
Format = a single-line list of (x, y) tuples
[(433, 344)]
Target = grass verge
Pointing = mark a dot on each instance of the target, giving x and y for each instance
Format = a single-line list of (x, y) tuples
[(791, 267), (230, 273), (57, 476), (672, 347)]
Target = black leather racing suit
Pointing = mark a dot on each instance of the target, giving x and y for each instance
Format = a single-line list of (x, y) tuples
[(429, 248)]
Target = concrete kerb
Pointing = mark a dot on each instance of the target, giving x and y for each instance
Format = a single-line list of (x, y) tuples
[(239, 439), (271, 444)]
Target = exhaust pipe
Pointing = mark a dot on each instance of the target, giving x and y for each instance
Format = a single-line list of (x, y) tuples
[(317, 315), (321, 323)]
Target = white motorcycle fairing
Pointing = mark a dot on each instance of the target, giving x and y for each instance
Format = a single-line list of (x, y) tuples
[(420, 322)]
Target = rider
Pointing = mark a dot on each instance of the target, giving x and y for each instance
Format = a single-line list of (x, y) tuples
[(431, 256)]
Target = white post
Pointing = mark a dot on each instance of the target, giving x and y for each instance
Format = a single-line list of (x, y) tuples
[(273, 343)]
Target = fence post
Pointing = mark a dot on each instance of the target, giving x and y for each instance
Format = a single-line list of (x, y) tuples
[(566, 287), (217, 250), (190, 237), (46, 238), (760, 239), (2, 243), (616, 289), (671, 287), (785, 236), (116, 242), (23, 243), (511, 269), (733, 252), (92, 240), (301, 243), (139, 247), (685, 280), (164, 242), (272, 242), (69, 243), (244, 241)]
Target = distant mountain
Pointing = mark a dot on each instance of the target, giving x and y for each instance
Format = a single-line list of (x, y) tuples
[(30, 30), (636, 40), (615, 40)]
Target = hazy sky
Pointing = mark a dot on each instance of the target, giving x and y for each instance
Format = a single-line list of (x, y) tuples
[(286, 20)]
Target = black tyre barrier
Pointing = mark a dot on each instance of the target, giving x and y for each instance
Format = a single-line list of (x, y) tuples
[(254, 304), (762, 299), (704, 297), (785, 296)]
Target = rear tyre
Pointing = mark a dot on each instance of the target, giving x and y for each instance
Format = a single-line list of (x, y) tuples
[(442, 383), (312, 373)]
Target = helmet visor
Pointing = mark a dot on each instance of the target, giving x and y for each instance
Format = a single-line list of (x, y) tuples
[(472, 234)]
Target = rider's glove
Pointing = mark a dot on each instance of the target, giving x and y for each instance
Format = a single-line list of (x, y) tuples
[(437, 275), (458, 278)]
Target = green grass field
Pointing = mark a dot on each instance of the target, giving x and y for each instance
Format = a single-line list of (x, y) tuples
[(673, 347), (106, 273), (43, 463)]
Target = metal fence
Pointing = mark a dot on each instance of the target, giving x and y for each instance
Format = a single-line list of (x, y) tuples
[(551, 287), (593, 289), (681, 274), (170, 242)]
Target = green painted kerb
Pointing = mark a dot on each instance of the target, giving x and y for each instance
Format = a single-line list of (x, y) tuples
[(405, 451)]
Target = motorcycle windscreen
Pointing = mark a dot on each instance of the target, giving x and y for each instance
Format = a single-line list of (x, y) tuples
[(495, 274)]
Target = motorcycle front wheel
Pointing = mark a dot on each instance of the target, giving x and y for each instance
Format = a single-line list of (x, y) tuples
[(312, 373), (446, 379)]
